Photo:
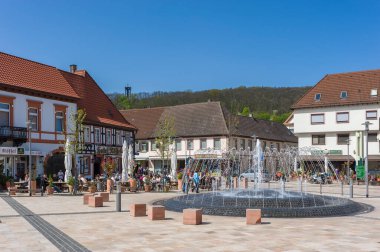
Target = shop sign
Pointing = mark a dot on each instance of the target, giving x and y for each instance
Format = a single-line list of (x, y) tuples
[(205, 156), (108, 150), (331, 152), (10, 150)]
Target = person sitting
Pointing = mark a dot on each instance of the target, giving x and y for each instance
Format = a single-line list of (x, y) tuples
[(61, 175), (83, 183)]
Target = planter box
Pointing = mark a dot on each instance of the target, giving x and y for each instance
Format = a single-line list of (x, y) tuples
[(156, 212), (137, 210), (180, 184), (95, 201), (253, 216)]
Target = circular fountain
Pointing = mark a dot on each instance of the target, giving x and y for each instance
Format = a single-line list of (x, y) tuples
[(231, 193)]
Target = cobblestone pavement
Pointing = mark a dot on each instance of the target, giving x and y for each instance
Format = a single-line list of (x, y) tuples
[(103, 229)]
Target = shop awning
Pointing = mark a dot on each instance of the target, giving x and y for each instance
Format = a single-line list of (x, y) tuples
[(330, 157)]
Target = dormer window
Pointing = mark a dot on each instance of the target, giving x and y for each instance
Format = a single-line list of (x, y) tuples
[(374, 92), (317, 97), (343, 95)]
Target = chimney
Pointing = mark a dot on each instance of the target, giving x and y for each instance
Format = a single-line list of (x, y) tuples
[(73, 68)]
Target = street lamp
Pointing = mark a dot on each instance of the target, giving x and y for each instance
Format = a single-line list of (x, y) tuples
[(29, 126), (366, 124)]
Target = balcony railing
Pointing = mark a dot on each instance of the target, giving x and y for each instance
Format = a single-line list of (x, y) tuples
[(17, 134)]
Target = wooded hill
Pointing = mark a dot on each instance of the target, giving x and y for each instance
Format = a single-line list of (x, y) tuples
[(264, 102)]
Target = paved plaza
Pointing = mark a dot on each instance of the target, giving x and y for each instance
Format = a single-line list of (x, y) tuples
[(103, 229)]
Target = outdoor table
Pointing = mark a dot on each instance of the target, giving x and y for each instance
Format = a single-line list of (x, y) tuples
[(20, 184), (60, 185)]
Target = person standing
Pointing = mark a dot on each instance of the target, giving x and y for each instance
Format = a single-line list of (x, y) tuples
[(196, 180)]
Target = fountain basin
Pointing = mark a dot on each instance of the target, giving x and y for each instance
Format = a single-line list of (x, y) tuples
[(272, 203)]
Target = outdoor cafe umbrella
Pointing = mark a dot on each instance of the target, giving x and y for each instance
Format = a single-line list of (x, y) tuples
[(68, 161), (124, 162), (173, 163), (130, 159)]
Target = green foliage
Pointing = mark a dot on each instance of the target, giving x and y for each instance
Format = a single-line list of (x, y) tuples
[(71, 181), (245, 112), (262, 99), (50, 180), (179, 175), (165, 135)]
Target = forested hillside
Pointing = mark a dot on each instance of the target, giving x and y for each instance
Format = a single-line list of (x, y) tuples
[(263, 102)]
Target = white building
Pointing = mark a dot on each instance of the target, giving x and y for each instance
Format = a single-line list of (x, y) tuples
[(200, 127), (332, 113)]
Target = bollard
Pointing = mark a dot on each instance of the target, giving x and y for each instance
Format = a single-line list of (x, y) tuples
[(268, 184), (300, 184), (341, 187), (320, 188), (42, 190), (118, 198), (351, 189)]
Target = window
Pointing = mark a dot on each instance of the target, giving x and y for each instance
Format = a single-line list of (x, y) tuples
[(317, 97), (371, 114), (217, 144), (118, 138), (343, 95), (108, 137), (84, 165), (86, 134), (318, 139), (242, 144), (236, 143), (153, 145), (374, 92), (33, 118), (342, 117), (317, 118), (59, 121), (278, 146), (143, 146), (4, 114), (203, 144), (250, 144), (97, 135), (178, 145), (372, 137), (264, 145), (190, 144), (343, 138)]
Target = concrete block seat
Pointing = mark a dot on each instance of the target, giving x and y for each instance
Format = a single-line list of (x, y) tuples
[(105, 196), (86, 196), (156, 212), (95, 201), (253, 216), (137, 210), (192, 216)]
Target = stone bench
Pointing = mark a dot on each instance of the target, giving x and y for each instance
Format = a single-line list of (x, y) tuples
[(105, 196), (156, 212), (253, 216), (95, 201), (137, 210), (86, 196), (192, 216)]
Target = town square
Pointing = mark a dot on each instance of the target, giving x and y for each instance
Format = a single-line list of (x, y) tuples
[(175, 125)]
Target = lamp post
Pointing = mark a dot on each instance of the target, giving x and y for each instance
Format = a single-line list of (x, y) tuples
[(348, 159), (29, 125), (366, 124)]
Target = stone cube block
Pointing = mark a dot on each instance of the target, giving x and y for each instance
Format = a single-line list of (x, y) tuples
[(105, 196), (95, 201), (156, 212), (253, 216), (86, 196), (137, 210), (192, 216)]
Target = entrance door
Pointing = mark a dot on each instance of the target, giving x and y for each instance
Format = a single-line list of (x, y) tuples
[(97, 163), (20, 169)]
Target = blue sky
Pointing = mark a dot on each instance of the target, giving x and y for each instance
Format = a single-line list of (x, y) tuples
[(195, 45)]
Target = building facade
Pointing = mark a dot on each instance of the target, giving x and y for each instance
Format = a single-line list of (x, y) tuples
[(42, 100), (331, 117), (201, 129)]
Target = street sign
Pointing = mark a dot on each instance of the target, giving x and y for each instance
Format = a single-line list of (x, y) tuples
[(360, 172)]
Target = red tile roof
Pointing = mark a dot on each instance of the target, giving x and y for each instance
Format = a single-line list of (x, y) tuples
[(357, 84), (99, 108), (24, 74)]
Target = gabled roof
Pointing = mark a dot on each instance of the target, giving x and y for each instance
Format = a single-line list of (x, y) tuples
[(289, 121), (357, 84), (99, 108), (27, 75), (205, 119)]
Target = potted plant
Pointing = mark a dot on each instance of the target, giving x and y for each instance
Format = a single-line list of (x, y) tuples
[(109, 166), (147, 184), (50, 187), (179, 178), (92, 187), (70, 183), (132, 184), (378, 178)]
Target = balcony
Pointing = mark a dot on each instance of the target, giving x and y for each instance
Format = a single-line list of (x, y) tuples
[(18, 135)]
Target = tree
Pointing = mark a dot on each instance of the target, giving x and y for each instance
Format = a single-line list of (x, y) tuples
[(165, 135), (76, 140), (245, 112)]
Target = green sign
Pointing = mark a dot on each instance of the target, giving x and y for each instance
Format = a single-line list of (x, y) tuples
[(331, 152), (20, 151), (360, 172)]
